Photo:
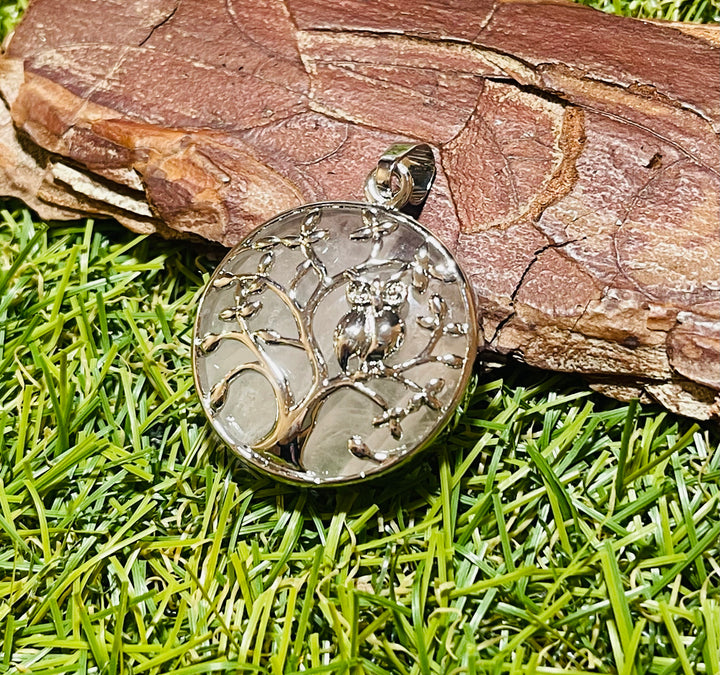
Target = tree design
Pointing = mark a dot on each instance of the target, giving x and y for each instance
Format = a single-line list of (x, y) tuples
[(370, 331)]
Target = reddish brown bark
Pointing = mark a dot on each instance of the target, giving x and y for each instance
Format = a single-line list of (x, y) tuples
[(578, 152)]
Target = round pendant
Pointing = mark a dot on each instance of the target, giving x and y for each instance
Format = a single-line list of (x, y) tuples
[(334, 343)]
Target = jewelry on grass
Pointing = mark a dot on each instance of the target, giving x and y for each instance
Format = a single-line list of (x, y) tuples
[(337, 339)]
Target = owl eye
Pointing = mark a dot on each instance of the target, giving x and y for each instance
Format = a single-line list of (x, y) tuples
[(358, 292), (394, 293)]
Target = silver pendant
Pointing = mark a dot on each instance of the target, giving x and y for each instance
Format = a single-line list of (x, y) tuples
[(337, 339)]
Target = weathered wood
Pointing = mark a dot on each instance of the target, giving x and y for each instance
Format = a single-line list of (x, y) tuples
[(578, 152)]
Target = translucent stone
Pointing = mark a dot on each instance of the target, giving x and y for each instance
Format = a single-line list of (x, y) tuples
[(333, 343)]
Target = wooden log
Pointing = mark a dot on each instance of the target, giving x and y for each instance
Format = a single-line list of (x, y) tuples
[(578, 152)]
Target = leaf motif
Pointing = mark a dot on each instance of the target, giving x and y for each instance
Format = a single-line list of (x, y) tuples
[(369, 217), (419, 279), (442, 273), (358, 448), (438, 305), (452, 360), (416, 402), (218, 395), (249, 308), (387, 227), (435, 385), (422, 256), (229, 314), (364, 232), (317, 235), (291, 242), (395, 429), (223, 280), (209, 343), (312, 219), (266, 242), (269, 336), (433, 402), (266, 262), (250, 286), (456, 329), (427, 322)]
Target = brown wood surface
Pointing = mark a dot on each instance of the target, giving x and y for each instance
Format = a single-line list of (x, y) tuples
[(578, 152)]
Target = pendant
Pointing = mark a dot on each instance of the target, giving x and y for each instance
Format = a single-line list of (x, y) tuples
[(337, 339)]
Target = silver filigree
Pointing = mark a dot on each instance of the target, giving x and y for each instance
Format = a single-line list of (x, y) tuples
[(314, 310), (337, 339)]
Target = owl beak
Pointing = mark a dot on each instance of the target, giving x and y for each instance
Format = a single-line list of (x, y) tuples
[(378, 303)]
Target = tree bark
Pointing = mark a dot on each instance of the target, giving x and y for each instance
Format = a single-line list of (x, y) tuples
[(577, 152)]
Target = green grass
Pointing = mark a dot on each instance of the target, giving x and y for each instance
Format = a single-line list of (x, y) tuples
[(10, 13), (697, 11), (550, 530)]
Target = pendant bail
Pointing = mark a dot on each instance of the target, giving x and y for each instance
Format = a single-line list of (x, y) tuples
[(403, 176)]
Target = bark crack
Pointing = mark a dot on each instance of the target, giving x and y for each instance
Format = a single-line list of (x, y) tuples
[(525, 73), (518, 286), (160, 24)]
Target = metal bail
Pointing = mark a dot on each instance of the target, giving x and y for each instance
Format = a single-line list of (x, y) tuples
[(403, 176)]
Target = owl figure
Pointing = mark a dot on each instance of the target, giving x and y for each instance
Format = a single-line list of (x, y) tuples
[(373, 329)]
